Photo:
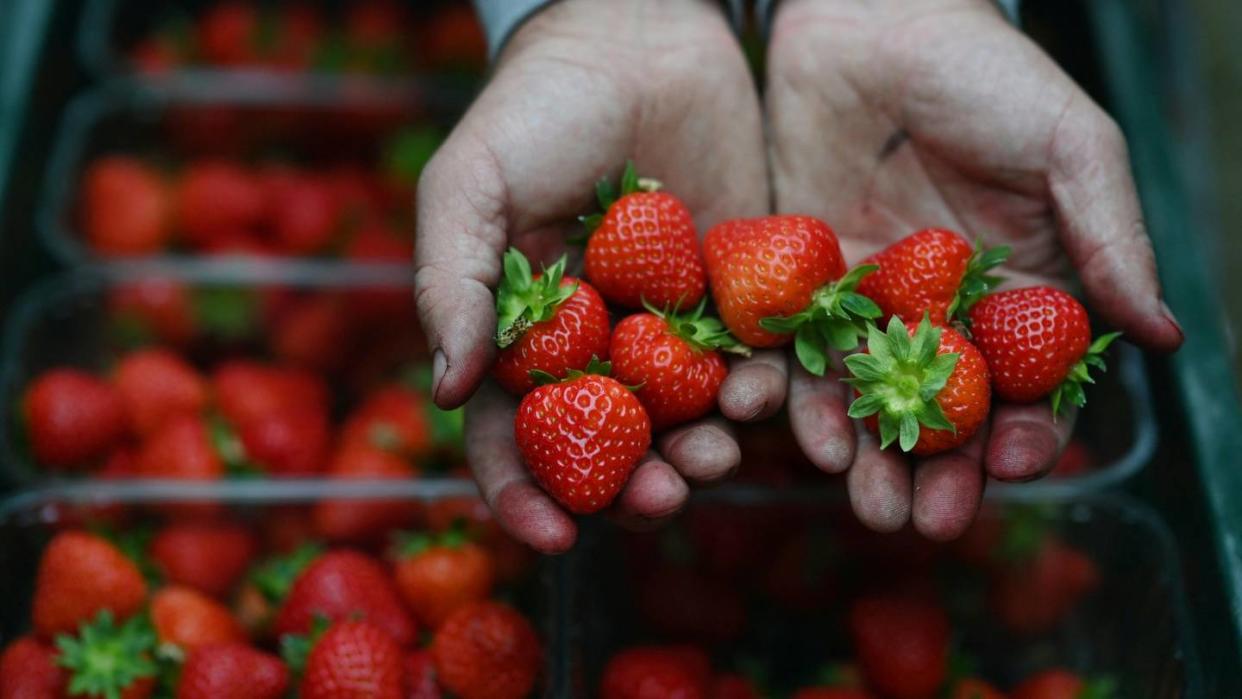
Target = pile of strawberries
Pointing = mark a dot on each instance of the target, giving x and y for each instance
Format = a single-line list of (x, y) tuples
[(936, 341), (194, 609)]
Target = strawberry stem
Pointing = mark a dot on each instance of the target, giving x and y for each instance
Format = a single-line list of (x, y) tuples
[(703, 333), (1071, 389), (105, 659), (835, 319), (522, 300), (606, 195), (976, 282)]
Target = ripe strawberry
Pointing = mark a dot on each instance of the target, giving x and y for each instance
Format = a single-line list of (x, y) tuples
[(974, 688), (79, 575), (247, 390), (933, 272), (217, 198), (1037, 342), (1040, 582), (902, 643), (487, 650), (267, 586), (673, 361), (227, 32), (420, 675), (292, 442), (232, 670), (546, 322), (453, 39), (733, 686), (922, 386), (643, 248), (304, 214), (581, 438), (180, 449), (437, 575), (778, 278), (354, 660), (657, 672), (393, 418), (125, 207), (376, 241), (72, 418), (1059, 683), (156, 384), (189, 619), (361, 520), (28, 670), (152, 309), (208, 556), (343, 585), (314, 332), (105, 661)]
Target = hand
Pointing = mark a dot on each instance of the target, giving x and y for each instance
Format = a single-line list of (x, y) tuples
[(580, 88), (888, 116)]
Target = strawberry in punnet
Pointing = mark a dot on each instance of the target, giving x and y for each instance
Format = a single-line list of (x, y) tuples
[(227, 33), (292, 442), (582, 437), (156, 384), (208, 556), (79, 575), (934, 272), (217, 199), (353, 660), (546, 322), (303, 212), (420, 675), (1037, 342), (232, 670), (1059, 683), (657, 672), (364, 520), (1039, 581), (778, 278), (153, 308), (643, 248), (343, 585), (185, 617), (902, 644), (180, 449), (125, 208), (313, 332), (393, 418), (267, 585), (922, 386), (28, 670), (436, 575), (247, 390), (72, 418), (487, 650), (673, 359), (109, 661)]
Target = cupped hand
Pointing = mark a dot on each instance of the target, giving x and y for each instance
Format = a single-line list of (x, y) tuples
[(889, 116), (579, 89)]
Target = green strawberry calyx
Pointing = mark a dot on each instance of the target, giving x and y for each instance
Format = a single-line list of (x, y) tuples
[(835, 319), (1098, 688), (1071, 389), (522, 300), (898, 379), (607, 195), (414, 544), (595, 366), (976, 281), (275, 576), (703, 333), (104, 658), (295, 649)]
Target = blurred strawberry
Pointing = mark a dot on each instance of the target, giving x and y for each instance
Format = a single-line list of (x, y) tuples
[(294, 32), (303, 212), (188, 619), (341, 585), (364, 519), (353, 659), (436, 575), (28, 670), (246, 390), (292, 442), (1076, 460), (217, 198), (902, 642), (125, 207), (420, 674), (487, 650), (232, 670), (79, 575), (657, 672), (454, 40), (393, 418), (376, 241), (72, 418), (208, 556), (314, 333), (267, 584), (156, 385), (227, 33), (1036, 589), (180, 449), (152, 309)]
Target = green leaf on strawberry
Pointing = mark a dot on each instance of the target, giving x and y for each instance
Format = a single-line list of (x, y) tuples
[(1098, 688), (976, 281), (104, 659), (522, 300), (606, 195), (273, 577), (834, 320), (704, 333), (1071, 389)]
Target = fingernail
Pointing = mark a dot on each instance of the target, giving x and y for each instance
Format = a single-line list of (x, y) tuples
[(439, 365), (1168, 315)]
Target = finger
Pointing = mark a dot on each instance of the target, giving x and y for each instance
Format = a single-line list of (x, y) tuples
[(948, 488), (878, 484), (654, 493), (755, 387), (523, 508), (1102, 226), (460, 239), (703, 452), (1026, 441), (817, 415)]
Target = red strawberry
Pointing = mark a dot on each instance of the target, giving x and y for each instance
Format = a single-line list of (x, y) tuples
[(125, 207), (226, 33), (72, 418), (644, 246), (778, 278), (354, 660), (546, 322), (247, 390), (187, 618), (657, 672), (393, 418), (156, 384), (582, 438), (106, 661), (934, 272), (268, 584), (375, 23), (733, 686), (453, 39), (902, 644), (1037, 342), (436, 576), (1076, 460), (217, 198), (378, 242), (343, 585), (974, 688), (28, 670), (153, 308), (922, 386), (298, 35), (314, 332), (293, 442), (232, 670), (208, 556), (1040, 582), (673, 361), (360, 520), (420, 675), (180, 449), (1059, 683), (304, 213), (487, 650), (79, 575)]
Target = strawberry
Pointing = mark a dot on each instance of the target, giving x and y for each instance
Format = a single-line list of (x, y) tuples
[(582, 437), (247, 390), (342, 585), (437, 575), (125, 207), (232, 670), (354, 660), (657, 672), (1040, 582), (673, 359), (153, 309), (72, 418), (304, 214), (314, 333), (216, 198), (1059, 683), (226, 33), (180, 449), (545, 322), (933, 272), (1076, 460), (1037, 342), (208, 556), (420, 675), (643, 248), (187, 618), (922, 386), (487, 650), (267, 586), (974, 688), (733, 686), (298, 34), (359, 520), (292, 442), (379, 242), (79, 575), (780, 277), (902, 643), (393, 418), (106, 661), (28, 670), (453, 39), (156, 384)]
